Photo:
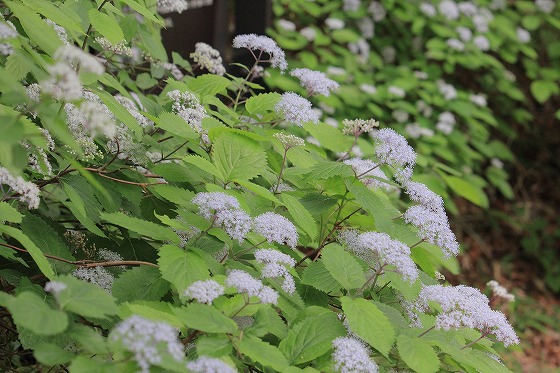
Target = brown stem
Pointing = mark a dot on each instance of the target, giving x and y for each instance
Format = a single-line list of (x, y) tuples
[(343, 156), (426, 331), (476, 340), (281, 171)]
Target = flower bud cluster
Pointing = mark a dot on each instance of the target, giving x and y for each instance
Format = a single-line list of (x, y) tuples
[(204, 291), (208, 58), (356, 127)]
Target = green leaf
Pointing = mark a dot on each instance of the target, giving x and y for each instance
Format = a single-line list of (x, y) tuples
[(33, 250), (204, 165), (55, 14), (327, 169), (301, 216), (106, 26), (343, 267), (258, 190), (140, 283), (86, 299), (143, 11), (263, 353), (143, 227), (468, 190), (417, 354), (9, 214), (78, 207), (369, 323), (39, 31), (311, 338), (175, 125), (206, 319), (267, 320), (32, 312), (542, 90), (18, 64), (159, 311), (213, 346), (181, 268), (208, 84), (51, 354), (262, 102), (329, 137), (318, 276), (238, 157)]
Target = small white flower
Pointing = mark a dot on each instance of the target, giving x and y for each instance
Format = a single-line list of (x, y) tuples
[(455, 44), (296, 109), (264, 44), (368, 88), (393, 149), (204, 291), (396, 91), (276, 228), (428, 9), (465, 33), (286, 25), (479, 100), (170, 6), (545, 6), (481, 43), (334, 23), (499, 291), (96, 275), (245, 283), (26, 191), (308, 33), (352, 356), (523, 35), (206, 364), (449, 9), (316, 82), (208, 58)]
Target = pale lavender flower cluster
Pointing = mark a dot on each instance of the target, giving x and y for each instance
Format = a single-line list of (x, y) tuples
[(447, 90), (262, 44), (204, 291), (208, 58), (446, 122), (352, 356), (433, 227), (55, 287), (545, 6), (7, 31), (420, 193), (393, 149), (369, 173), (499, 291), (133, 108), (27, 192), (205, 364), (225, 212), (416, 131), (296, 109), (245, 283), (145, 339), (464, 306), (275, 265), (449, 9), (315, 82), (382, 250), (60, 31), (187, 106), (276, 228), (119, 48)]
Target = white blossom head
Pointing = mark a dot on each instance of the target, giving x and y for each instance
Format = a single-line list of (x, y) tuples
[(449, 9), (308, 33), (74, 56), (210, 203), (262, 44), (420, 193), (545, 6), (396, 91), (119, 48), (334, 23), (25, 191), (481, 42), (235, 222), (208, 58), (523, 35), (63, 82), (393, 149), (433, 227), (389, 252), (288, 141), (147, 339), (55, 287), (356, 127), (245, 283), (188, 106), (295, 109), (428, 9), (275, 265), (276, 228), (205, 364), (478, 100), (171, 6), (134, 107), (369, 173), (447, 90), (96, 275), (204, 291), (315, 82), (455, 44), (352, 356), (286, 25), (499, 291)]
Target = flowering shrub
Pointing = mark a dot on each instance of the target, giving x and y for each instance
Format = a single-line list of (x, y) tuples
[(450, 76), (156, 221)]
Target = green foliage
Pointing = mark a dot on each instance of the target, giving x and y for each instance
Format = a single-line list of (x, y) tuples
[(142, 200)]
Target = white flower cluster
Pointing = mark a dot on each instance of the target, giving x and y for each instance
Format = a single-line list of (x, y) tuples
[(369, 172), (296, 109), (481, 42), (60, 31), (263, 44), (356, 127), (288, 141), (382, 250), (206, 364), (446, 122), (523, 35), (55, 287), (464, 306), (120, 48), (433, 227), (316, 82), (225, 212), (275, 264), (7, 31), (447, 90), (27, 192), (204, 291), (396, 91), (145, 339), (74, 56), (393, 149), (98, 275), (172, 68), (416, 131), (170, 6), (545, 6), (334, 23), (352, 356), (479, 100), (449, 9), (368, 88), (286, 25), (208, 58), (133, 108), (351, 5), (276, 228), (361, 49), (245, 283), (308, 33), (420, 193), (499, 291), (187, 106)]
